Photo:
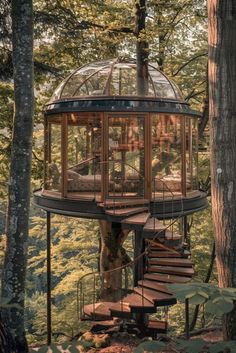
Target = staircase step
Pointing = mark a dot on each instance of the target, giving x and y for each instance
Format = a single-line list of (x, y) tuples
[(153, 225), (163, 254), (139, 219), (156, 253), (120, 203), (171, 262), (157, 245), (164, 278), (138, 304), (122, 212), (169, 235), (155, 297), (121, 310), (160, 287), (156, 326), (97, 311), (179, 271)]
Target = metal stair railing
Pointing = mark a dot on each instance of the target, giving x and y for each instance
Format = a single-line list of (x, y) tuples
[(96, 275)]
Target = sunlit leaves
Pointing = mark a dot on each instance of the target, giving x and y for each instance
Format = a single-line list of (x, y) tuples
[(218, 301)]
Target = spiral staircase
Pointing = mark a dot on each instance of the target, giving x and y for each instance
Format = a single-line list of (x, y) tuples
[(165, 260)]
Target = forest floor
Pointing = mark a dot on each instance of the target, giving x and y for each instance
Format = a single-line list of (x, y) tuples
[(127, 343)]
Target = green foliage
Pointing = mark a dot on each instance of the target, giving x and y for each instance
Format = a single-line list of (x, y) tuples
[(201, 235), (68, 34), (150, 346), (229, 346), (190, 346), (43, 349), (193, 346), (218, 301), (6, 118)]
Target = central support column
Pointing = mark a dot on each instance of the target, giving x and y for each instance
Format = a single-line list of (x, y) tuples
[(112, 257), (139, 264)]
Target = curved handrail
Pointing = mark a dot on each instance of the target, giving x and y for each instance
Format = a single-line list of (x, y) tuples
[(137, 258), (120, 268)]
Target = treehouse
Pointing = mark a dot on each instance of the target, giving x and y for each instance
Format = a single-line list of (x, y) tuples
[(130, 160)]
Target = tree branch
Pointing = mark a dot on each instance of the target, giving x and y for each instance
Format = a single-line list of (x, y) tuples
[(193, 94), (188, 62)]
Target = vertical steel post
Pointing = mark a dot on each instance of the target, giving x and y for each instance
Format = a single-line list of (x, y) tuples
[(185, 231), (187, 328), (49, 313), (139, 264)]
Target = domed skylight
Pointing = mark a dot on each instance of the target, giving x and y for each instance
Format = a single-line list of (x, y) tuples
[(115, 77)]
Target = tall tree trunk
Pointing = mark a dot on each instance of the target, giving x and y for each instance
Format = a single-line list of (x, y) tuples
[(13, 284), (222, 112), (112, 257), (7, 343), (141, 48)]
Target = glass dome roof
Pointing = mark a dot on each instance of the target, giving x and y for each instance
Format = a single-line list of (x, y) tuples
[(116, 77)]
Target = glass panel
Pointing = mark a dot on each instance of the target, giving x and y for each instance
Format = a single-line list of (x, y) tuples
[(83, 153), (192, 153), (195, 153), (189, 161), (114, 78), (53, 154), (86, 81), (177, 91), (166, 154), (162, 86), (126, 156), (128, 82)]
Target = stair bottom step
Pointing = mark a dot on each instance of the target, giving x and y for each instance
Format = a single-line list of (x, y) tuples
[(97, 311)]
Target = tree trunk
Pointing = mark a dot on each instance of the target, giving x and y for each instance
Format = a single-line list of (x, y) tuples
[(13, 284), (112, 257), (7, 343), (141, 48), (222, 112)]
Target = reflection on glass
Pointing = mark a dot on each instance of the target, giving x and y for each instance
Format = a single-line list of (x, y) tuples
[(191, 154), (53, 155), (126, 156), (114, 77), (189, 162), (166, 153), (84, 153), (195, 154)]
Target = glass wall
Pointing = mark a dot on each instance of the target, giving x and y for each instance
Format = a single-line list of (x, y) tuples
[(126, 156), (53, 154), (166, 154), (84, 153), (189, 154), (77, 159), (195, 183)]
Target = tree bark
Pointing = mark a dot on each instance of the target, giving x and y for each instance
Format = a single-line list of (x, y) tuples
[(7, 343), (112, 257), (13, 283), (141, 48), (222, 113)]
